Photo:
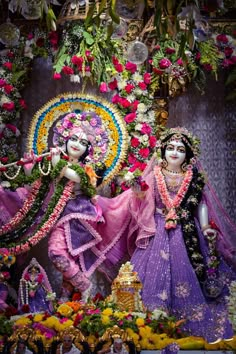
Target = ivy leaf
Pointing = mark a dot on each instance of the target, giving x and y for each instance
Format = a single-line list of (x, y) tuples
[(88, 38)]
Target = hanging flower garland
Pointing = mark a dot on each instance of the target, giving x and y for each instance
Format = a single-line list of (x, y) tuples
[(172, 204)]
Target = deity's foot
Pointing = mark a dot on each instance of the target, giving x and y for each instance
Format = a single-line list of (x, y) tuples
[(216, 341)]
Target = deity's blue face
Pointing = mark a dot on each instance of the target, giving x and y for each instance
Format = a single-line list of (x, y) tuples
[(175, 154), (77, 145)]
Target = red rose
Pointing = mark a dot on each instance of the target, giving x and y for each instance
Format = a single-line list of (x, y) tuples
[(144, 186), (131, 67), (116, 99), (142, 85), (222, 38), (147, 78), (157, 71), (198, 56), (129, 118), (77, 60), (131, 158), (9, 106), (115, 61), (135, 142), (129, 88), (119, 68), (207, 67), (228, 51), (113, 84), (2, 82), (67, 70), (170, 50), (25, 308), (134, 105), (8, 65), (40, 42), (22, 103), (8, 89), (76, 297), (10, 54), (144, 152), (124, 103)]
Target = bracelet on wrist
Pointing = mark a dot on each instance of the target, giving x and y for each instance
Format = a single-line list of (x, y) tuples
[(205, 227)]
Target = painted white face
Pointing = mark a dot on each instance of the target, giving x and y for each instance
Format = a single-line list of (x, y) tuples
[(175, 154), (77, 145)]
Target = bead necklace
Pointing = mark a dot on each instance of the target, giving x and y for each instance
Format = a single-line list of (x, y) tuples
[(173, 172)]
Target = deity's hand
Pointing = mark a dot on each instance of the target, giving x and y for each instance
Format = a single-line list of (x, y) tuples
[(209, 232), (55, 154), (29, 160)]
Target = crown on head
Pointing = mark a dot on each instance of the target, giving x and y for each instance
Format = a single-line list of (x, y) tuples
[(180, 133)]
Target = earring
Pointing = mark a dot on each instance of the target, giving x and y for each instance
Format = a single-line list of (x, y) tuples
[(184, 166)]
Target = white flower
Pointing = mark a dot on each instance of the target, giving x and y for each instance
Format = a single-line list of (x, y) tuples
[(139, 314), (140, 92), (129, 176), (137, 78), (157, 314), (144, 138), (138, 126), (131, 98), (121, 84), (5, 184), (142, 108), (75, 78), (140, 117), (151, 114), (4, 99)]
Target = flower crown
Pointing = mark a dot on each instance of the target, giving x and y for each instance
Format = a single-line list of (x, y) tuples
[(91, 124), (180, 133)]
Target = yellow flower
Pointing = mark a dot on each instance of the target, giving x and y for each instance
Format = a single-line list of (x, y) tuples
[(145, 331), (105, 319), (51, 322), (38, 317), (140, 322), (120, 315), (108, 311), (23, 321), (65, 310)]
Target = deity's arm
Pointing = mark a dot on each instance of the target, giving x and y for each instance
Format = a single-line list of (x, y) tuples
[(204, 218)]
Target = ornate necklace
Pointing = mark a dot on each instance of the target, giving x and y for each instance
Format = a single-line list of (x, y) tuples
[(172, 204)]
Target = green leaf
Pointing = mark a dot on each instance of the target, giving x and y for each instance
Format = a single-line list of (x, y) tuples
[(88, 38), (61, 62), (17, 75), (90, 15), (112, 12)]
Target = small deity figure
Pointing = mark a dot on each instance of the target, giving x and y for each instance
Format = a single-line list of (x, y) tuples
[(21, 348), (117, 347), (35, 291), (67, 346)]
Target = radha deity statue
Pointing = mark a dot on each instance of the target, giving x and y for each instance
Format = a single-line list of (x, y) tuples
[(178, 238), (35, 292)]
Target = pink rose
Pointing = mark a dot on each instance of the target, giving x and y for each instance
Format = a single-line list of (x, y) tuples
[(152, 141), (164, 63), (180, 62), (135, 142), (158, 71), (116, 99), (9, 106), (144, 152), (129, 88), (129, 118), (87, 69), (131, 158), (134, 105), (147, 78), (142, 85), (131, 67), (103, 87), (2, 82), (67, 70), (146, 129), (30, 36), (222, 38), (56, 76)]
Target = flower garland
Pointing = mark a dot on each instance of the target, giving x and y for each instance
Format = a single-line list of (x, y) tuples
[(85, 184), (172, 204), (27, 206)]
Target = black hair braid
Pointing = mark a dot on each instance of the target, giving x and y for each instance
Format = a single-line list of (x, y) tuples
[(189, 229)]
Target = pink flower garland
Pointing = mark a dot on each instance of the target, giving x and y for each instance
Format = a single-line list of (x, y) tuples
[(172, 204), (24, 210), (47, 226)]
